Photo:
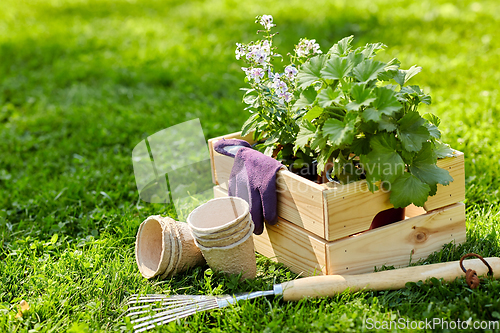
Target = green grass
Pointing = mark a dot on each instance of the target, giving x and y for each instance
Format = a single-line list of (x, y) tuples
[(82, 82)]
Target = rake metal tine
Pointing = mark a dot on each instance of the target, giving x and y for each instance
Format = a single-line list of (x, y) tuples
[(170, 307), (168, 298), (167, 319), (172, 303), (169, 311)]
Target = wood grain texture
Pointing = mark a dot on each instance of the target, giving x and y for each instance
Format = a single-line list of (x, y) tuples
[(300, 201), (284, 242), (396, 244), (352, 207), (393, 245), (455, 191)]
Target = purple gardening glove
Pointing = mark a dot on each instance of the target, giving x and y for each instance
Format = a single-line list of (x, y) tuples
[(253, 178)]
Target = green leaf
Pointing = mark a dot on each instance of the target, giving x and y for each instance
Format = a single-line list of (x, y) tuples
[(433, 119), (310, 72), (355, 58), (360, 146), (361, 97), (54, 238), (250, 124), (386, 101), (306, 133), (368, 70), (416, 93), (323, 158), (338, 132), (328, 96), (336, 68), (371, 114), (412, 131), (408, 189), (433, 130), (404, 76), (313, 113), (386, 124), (442, 150), (269, 150), (307, 98), (424, 167), (393, 65), (370, 50), (383, 162), (318, 143), (343, 47), (390, 70)]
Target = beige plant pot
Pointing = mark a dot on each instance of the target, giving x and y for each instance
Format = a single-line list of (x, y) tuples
[(165, 247), (224, 241), (233, 259), (223, 229), (219, 217)]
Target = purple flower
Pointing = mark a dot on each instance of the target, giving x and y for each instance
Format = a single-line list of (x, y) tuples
[(290, 71)]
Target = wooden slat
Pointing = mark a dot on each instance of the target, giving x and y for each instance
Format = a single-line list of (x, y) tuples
[(288, 244), (212, 165), (396, 244), (455, 192), (352, 207), (300, 201), (412, 211)]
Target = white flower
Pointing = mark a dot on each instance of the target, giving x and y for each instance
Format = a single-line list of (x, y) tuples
[(259, 54), (279, 85), (255, 74), (270, 73), (284, 96), (290, 71), (307, 47), (240, 51), (287, 96), (267, 22)]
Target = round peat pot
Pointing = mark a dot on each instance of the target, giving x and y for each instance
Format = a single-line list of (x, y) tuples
[(233, 259), (224, 241), (219, 217), (165, 247)]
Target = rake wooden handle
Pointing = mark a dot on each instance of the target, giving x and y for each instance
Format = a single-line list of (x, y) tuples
[(330, 285)]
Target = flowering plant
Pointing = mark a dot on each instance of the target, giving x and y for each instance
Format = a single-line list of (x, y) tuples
[(343, 110), (272, 95)]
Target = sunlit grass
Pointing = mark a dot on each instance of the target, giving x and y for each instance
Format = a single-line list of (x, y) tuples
[(82, 82)]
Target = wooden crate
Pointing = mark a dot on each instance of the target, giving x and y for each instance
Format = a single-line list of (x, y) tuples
[(396, 244), (323, 228)]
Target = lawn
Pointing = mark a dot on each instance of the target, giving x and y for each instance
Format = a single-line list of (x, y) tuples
[(83, 81)]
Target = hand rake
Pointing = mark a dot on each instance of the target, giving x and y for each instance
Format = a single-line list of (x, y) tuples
[(157, 310)]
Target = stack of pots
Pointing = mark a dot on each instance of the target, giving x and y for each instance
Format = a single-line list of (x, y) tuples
[(222, 229), (165, 247)]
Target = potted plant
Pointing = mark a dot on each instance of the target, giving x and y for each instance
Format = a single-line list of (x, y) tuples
[(356, 120), (346, 108)]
